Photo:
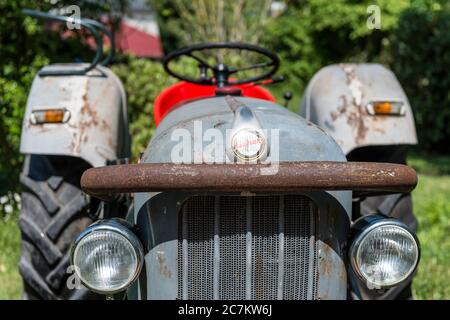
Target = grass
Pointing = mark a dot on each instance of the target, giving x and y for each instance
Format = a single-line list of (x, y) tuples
[(10, 282), (431, 201)]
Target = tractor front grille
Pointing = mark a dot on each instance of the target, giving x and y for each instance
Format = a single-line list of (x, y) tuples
[(257, 247)]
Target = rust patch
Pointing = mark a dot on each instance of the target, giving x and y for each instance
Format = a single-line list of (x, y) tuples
[(104, 125), (259, 281), (111, 143), (40, 128), (163, 269), (341, 109), (88, 119), (354, 109), (232, 103), (325, 262), (219, 124)]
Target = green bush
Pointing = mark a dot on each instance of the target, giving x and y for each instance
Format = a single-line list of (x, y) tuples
[(25, 47), (314, 33), (421, 60), (143, 81), (414, 42), (21, 56)]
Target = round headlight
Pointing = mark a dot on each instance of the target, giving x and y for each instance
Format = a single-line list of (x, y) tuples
[(384, 254), (107, 256)]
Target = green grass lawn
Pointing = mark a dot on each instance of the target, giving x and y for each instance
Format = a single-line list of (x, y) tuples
[(10, 282), (431, 204), (431, 201)]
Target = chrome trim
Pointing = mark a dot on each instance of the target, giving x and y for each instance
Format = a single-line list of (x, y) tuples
[(245, 120), (373, 222), (280, 249), (121, 227)]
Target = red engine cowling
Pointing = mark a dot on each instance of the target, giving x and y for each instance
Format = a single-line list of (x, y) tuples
[(185, 91)]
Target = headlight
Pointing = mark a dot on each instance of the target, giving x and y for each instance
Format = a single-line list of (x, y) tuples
[(107, 256), (384, 252)]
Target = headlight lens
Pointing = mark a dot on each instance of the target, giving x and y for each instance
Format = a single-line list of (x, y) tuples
[(385, 254), (107, 257), (248, 144)]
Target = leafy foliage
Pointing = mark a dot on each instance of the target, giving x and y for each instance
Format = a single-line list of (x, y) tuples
[(414, 41), (421, 60), (185, 22), (17, 71), (143, 81), (315, 33), (25, 47)]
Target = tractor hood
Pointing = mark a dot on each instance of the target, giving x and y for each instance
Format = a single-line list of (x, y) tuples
[(289, 136)]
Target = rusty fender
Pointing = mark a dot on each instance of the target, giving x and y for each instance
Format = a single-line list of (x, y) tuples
[(291, 176)]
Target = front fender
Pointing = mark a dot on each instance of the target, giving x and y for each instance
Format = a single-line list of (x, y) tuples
[(97, 129)]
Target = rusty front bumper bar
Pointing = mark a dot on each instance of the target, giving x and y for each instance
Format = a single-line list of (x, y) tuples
[(285, 176)]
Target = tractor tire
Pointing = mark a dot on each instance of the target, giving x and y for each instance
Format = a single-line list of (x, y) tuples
[(54, 211)]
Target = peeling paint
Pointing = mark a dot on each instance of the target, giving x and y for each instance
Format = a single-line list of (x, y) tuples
[(163, 268), (354, 109)]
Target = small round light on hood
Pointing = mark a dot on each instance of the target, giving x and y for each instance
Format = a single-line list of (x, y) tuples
[(248, 144)]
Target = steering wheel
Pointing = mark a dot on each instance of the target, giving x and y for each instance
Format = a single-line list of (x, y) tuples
[(221, 72)]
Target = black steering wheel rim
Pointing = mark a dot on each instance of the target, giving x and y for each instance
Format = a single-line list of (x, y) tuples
[(187, 51)]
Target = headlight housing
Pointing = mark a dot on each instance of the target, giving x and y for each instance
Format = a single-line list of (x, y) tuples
[(107, 256), (384, 252)]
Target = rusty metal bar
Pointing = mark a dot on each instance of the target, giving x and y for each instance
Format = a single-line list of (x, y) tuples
[(287, 176)]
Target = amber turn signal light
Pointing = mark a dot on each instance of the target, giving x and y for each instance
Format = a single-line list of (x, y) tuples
[(50, 116), (394, 108)]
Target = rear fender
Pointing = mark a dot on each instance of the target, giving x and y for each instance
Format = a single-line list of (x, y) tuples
[(336, 99), (96, 128)]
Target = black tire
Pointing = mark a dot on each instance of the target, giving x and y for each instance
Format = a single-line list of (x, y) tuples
[(54, 211)]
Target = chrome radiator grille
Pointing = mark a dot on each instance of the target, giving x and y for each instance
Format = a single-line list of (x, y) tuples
[(235, 247)]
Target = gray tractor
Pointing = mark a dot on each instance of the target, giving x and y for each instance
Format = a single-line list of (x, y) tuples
[(238, 198), (75, 119), (235, 197)]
